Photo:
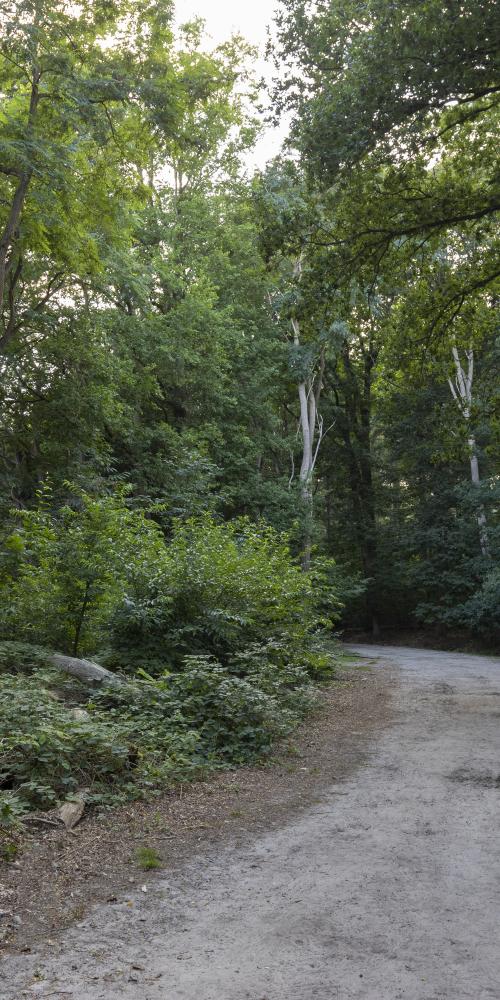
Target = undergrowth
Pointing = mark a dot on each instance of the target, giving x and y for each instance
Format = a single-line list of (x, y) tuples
[(132, 741), (216, 632)]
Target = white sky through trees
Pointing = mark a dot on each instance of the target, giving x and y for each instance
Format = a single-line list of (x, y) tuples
[(250, 19)]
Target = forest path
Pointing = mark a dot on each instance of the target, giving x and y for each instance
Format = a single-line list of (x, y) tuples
[(387, 889)]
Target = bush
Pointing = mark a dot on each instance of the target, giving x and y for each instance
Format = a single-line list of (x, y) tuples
[(230, 718), (224, 588), (65, 572), (46, 754), (237, 720), (95, 572), (133, 739), (22, 658), (480, 614), (218, 629)]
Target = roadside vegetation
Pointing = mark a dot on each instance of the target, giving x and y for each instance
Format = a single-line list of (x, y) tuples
[(217, 636)]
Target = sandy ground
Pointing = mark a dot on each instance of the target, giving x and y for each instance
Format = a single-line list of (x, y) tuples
[(387, 888)]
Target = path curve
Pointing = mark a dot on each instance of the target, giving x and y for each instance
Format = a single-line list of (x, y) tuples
[(388, 889)]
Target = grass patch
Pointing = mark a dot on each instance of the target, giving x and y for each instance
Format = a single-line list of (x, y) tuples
[(147, 858)]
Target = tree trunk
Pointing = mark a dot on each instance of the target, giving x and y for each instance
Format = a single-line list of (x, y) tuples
[(461, 390), (81, 619), (357, 438), (8, 237), (312, 434), (476, 481)]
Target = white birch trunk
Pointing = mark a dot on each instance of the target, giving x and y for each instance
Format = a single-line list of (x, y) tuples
[(461, 390), (311, 426)]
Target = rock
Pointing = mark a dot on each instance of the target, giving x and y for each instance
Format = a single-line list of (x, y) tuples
[(71, 812), (85, 670)]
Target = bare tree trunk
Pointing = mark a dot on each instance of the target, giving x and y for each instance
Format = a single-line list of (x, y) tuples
[(311, 426), (476, 481), (81, 619), (461, 390), (10, 231), (9, 235)]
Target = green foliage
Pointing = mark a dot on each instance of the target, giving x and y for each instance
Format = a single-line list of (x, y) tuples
[(8, 850), (222, 606), (481, 612), (45, 754), (147, 858), (394, 216), (22, 658), (12, 809), (150, 303), (47, 751), (224, 588), (215, 588), (230, 713), (73, 568), (236, 718), (132, 740), (398, 126), (364, 96)]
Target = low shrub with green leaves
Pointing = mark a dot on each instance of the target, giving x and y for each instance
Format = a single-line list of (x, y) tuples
[(66, 569), (48, 750), (217, 630), (45, 754), (223, 588), (131, 740), (22, 658), (232, 717)]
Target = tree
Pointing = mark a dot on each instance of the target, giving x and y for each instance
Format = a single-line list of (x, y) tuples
[(426, 452), (403, 146), (461, 390), (385, 78), (73, 112), (286, 214), (72, 569), (136, 365)]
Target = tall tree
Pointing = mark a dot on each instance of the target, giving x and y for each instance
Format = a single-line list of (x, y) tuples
[(396, 117)]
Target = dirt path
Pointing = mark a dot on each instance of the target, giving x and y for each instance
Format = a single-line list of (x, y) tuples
[(386, 889)]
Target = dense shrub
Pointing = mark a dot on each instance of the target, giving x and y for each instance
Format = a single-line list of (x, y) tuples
[(234, 714), (65, 571), (22, 658), (45, 754), (224, 587), (479, 614), (48, 751), (218, 630), (96, 573), (132, 739)]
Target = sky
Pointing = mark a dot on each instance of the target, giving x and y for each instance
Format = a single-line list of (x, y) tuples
[(249, 18)]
